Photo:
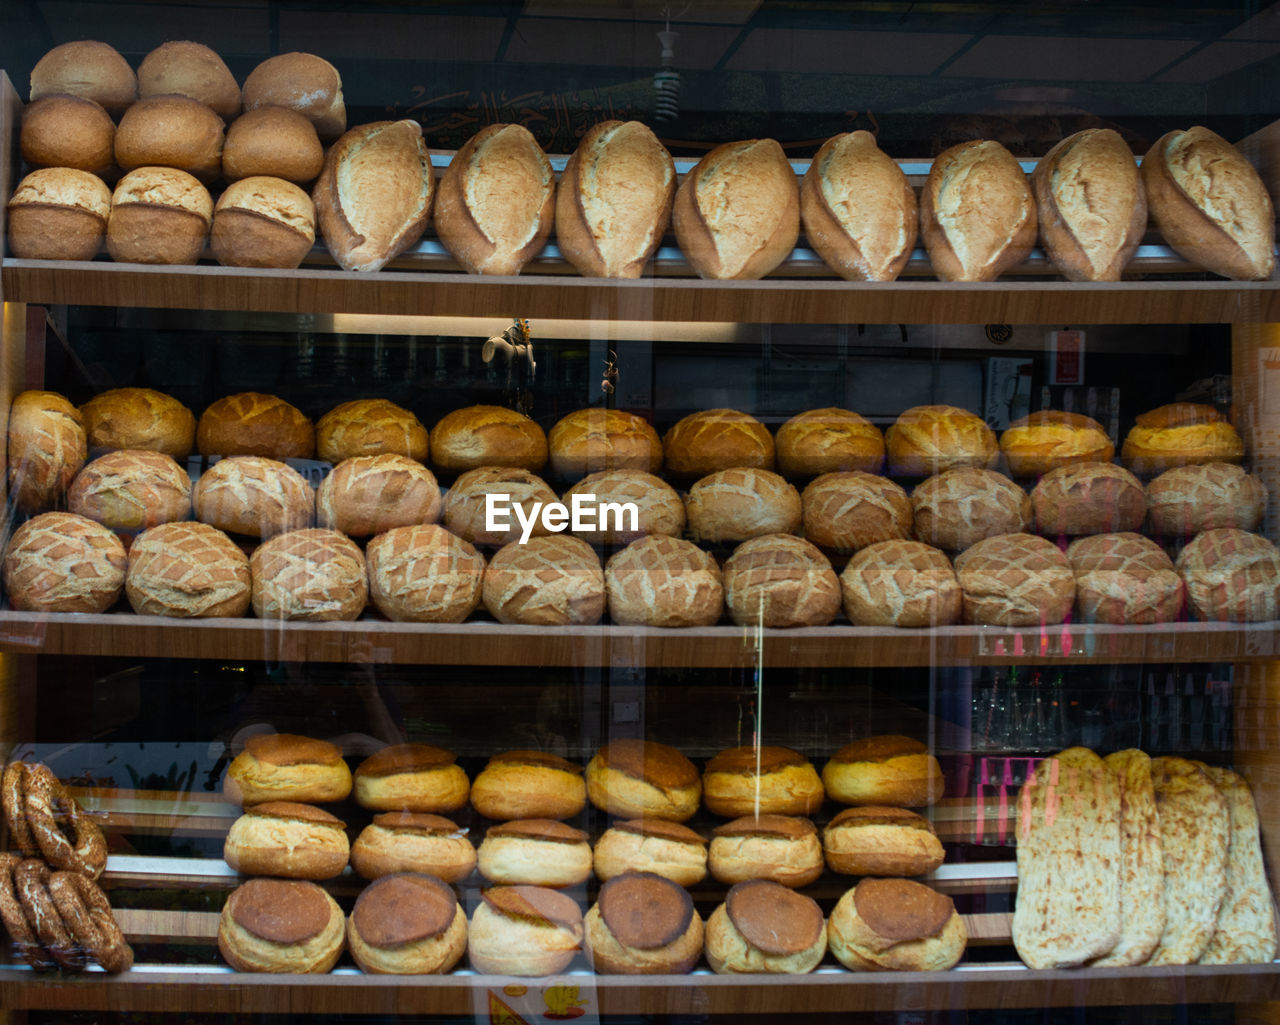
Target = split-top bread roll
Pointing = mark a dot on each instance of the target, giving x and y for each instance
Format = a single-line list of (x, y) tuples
[(925, 440), (88, 68), (643, 924), (159, 215), (412, 777), (190, 69), (61, 562), (858, 208), (1039, 442), (370, 427), (828, 440), (47, 448), (639, 779), (1180, 434), (58, 213), (716, 439), (262, 222), (764, 927), (529, 785), (896, 925), (139, 418)]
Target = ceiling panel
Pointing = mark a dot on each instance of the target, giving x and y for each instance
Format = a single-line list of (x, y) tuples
[(1262, 26), (726, 12), (138, 28), (614, 43), (1065, 59), (1218, 59), (853, 53), (338, 34)]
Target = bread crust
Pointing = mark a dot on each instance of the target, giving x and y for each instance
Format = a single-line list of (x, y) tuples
[(541, 940), (900, 583), (849, 510), (926, 440), (262, 222), (412, 777), (537, 852), (553, 580), (1180, 434), (302, 82), (139, 418), (69, 131), (1039, 442), (1088, 498), (308, 923), (60, 562), (424, 574), (1185, 500), (367, 495), (1124, 578), (782, 849), (881, 841), (889, 770), (778, 580), (782, 782), (958, 508), (476, 436), (131, 489), (190, 69), (171, 131), (86, 67), (159, 215), (287, 767), (741, 503), (46, 449), (370, 427), (643, 779), (529, 785), (255, 424), (664, 848), (659, 508), (729, 952), (1232, 576), (857, 943), (590, 440), (272, 141), (253, 495), (428, 955)]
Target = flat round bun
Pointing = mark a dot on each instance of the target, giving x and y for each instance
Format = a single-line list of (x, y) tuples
[(881, 841), (311, 575), (46, 446), (287, 767), (274, 141), (60, 562), (925, 440), (529, 785), (783, 849), (139, 418), (254, 424), (487, 436), (423, 574), (1043, 441), (190, 69), (642, 779), (188, 570), (886, 770), (68, 131), (958, 508), (1232, 576), (780, 581), (539, 852), (828, 440), (552, 580), (302, 82), (716, 439), (131, 489), (659, 507), (668, 849), (281, 925), (367, 495), (1015, 580), (664, 581), (287, 839), (896, 925), (1180, 434), (88, 68), (405, 841), (589, 440), (734, 505), (900, 583), (407, 924), (524, 930), (171, 131), (58, 213), (643, 924), (848, 510), (1185, 500), (1088, 498), (764, 927), (761, 781), (1124, 578), (466, 504), (159, 215), (412, 777), (370, 427), (254, 496), (262, 222)]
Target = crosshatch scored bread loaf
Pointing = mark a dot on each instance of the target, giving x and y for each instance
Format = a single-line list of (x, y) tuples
[(1124, 578), (659, 507), (47, 447), (779, 580), (739, 504), (664, 581), (466, 503), (900, 583), (1185, 500), (846, 511), (60, 562), (958, 508), (187, 570), (553, 580), (1232, 576), (131, 489), (1088, 498), (312, 575), (424, 574), (1015, 580), (253, 495), (366, 495)]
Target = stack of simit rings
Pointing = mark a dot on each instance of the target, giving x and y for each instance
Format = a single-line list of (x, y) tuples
[(34, 802)]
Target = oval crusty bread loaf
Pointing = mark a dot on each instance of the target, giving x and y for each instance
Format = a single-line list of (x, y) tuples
[(60, 562), (465, 503), (1232, 576), (664, 581), (254, 424), (737, 212), (659, 508), (1015, 580), (310, 575), (780, 580), (46, 446), (716, 439), (925, 440), (365, 495), (848, 511), (1188, 499), (958, 508), (900, 583), (550, 581), (424, 574), (131, 489), (1091, 204), (592, 439), (370, 427), (828, 440), (858, 208), (187, 570), (1088, 498), (1124, 578), (253, 495), (1042, 441), (741, 503), (614, 200), (475, 436), (139, 418)]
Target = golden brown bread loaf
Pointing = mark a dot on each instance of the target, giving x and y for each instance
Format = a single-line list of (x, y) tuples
[(925, 440), (1188, 499), (884, 770), (407, 925), (487, 436), (311, 575), (589, 440), (68, 131), (405, 841), (1231, 576), (614, 200), (139, 418), (668, 849), (859, 210), (253, 495), (881, 840), (1088, 498), (46, 447), (716, 439), (643, 924), (1124, 578), (188, 570), (171, 131), (739, 504), (302, 82), (423, 574), (287, 839), (274, 141), (554, 580), (529, 785), (896, 925), (524, 930), (281, 925), (1180, 434), (131, 489), (737, 212), (465, 509), (262, 222), (664, 581), (60, 562), (900, 583), (643, 779), (977, 217), (828, 440), (86, 67), (287, 767), (411, 777), (781, 848), (763, 927), (159, 215), (370, 427), (539, 852), (58, 213), (366, 495), (761, 780), (1210, 204), (1015, 580), (497, 201), (846, 511), (778, 580), (254, 424), (659, 507), (958, 508), (1091, 205), (1039, 442), (190, 69), (373, 196)]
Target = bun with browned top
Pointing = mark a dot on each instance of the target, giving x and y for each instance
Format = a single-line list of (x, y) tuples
[(781, 848), (524, 930), (643, 924), (539, 852), (477, 436), (666, 848), (1042, 441), (412, 777), (827, 441), (288, 839), (281, 925), (896, 925), (764, 927), (302, 82), (716, 439), (1180, 434), (889, 770), (761, 781), (287, 767), (407, 924), (643, 779), (875, 840), (406, 841), (529, 785)]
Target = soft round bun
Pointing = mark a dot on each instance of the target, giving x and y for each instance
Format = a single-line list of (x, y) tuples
[(540, 852), (85, 67), (159, 215), (896, 925), (1188, 499), (779, 581), (589, 440), (828, 440), (281, 925), (131, 489), (1088, 498), (900, 583), (405, 841), (958, 508), (254, 424), (761, 781), (284, 838), (274, 141), (60, 562), (423, 574), (407, 924), (287, 767), (643, 924), (253, 495), (367, 495), (188, 570), (1042, 441), (302, 82), (466, 504), (68, 131), (524, 930), (664, 581), (779, 848), (529, 785), (659, 507), (1180, 434), (764, 927), (668, 849), (642, 779), (887, 770), (925, 440), (1232, 576), (848, 510), (412, 777), (1015, 580), (58, 213), (881, 841), (552, 580), (487, 436), (311, 575), (370, 427), (716, 439), (262, 222), (171, 131), (190, 69), (1124, 578), (139, 418), (46, 447)]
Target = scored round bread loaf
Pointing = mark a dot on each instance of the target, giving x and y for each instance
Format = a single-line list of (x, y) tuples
[(958, 508), (782, 848), (539, 852), (275, 141), (406, 841), (1124, 578), (848, 510), (302, 82), (589, 440), (262, 222), (189, 570), (524, 930), (529, 785), (58, 213), (86, 67), (780, 581), (900, 583), (287, 767), (281, 925), (1180, 434), (1088, 498), (253, 495), (759, 780), (496, 489), (741, 503), (370, 427), (1015, 580), (423, 574), (552, 580), (159, 215), (255, 424), (659, 507), (407, 925), (716, 439), (643, 924), (668, 849), (139, 418), (664, 581), (131, 489), (171, 131), (884, 770), (412, 777), (46, 449), (310, 575), (926, 440), (366, 495), (881, 840), (828, 440), (190, 69), (487, 436), (1232, 576), (1188, 499), (287, 839), (61, 130), (643, 779), (1042, 441), (896, 925), (60, 562), (763, 927)]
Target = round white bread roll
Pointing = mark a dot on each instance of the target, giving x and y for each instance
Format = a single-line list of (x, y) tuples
[(925, 440), (524, 930), (896, 925), (188, 570), (1088, 498), (1185, 500), (782, 848), (60, 562), (159, 215), (659, 507), (958, 508), (589, 440), (551, 581), (139, 418), (846, 511), (487, 436), (738, 504), (370, 427), (312, 575), (407, 841), (643, 924), (664, 581), (47, 448), (407, 925), (1232, 576), (828, 440), (1124, 578), (716, 439), (302, 82), (423, 574), (367, 495), (262, 222), (669, 849), (131, 489), (58, 213), (1015, 580), (1044, 440), (255, 424), (778, 581), (88, 68), (539, 852), (467, 504), (900, 583), (764, 927), (190, 69), (253, 495)]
